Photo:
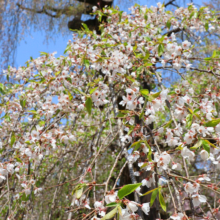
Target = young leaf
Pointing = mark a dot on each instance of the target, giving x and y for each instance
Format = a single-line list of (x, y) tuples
[(145, 17), (44, 53), (67, 48), (160, 49), (189, 118), (149, 154), (79, 192), (2, 88), (162, 202), (22, 103), (86, 63), (144, 92), (57, 73), (135, 144), (206, 26), (148, 192), (144, 165), (112, 204), (119, 210), (85, 26), (214, 54), (110, 214), (153, 96), (206, 146), (13, 139), (128, 189), (168, 24), (167, 125), (212, 123), (153, 197), (179, 147), (93, 90), (18, 159), (197, 145), (120, 115), (89, 105), (144, 107), (211, 144)]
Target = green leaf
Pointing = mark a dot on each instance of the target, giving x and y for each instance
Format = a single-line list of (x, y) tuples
[(120, 115), (18, 159), (147, 38), (24, 197), (168, 24), (93, 90), (135, 47), (67, 48), (70, 95), (57, 73), (139, 70), (144, 107), (190, 110), (136, 144), (112, 204), (160, 49), (206, 26), (44, 53), (13, 139), (78, 193), (153, 197), (32, 111), (148, 192), (206, 146), (149, 154), (211, 144), (85, 26), (86, 63), (162, 202), (89, 105), (144, 165), (196, 15), (145, 17), (214, 54), (110, 214), (2, 88), (191, 15), (128, 189), (153, 96), (78, 190), (179, 147), (212, 123), (197, 145), (22, 103), (189, 118), (119, 210), (168, 124), (77, 90), (144, 92), (196, 110)]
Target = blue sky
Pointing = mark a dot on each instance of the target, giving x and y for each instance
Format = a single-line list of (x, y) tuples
[(33, 45)]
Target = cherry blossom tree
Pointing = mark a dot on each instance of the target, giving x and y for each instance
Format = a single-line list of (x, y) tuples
[(74, 127)]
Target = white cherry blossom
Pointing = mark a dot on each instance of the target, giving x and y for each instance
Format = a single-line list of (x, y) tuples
[(198, 199)]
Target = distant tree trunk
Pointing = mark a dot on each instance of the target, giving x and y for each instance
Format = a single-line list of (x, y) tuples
[(93, 24)]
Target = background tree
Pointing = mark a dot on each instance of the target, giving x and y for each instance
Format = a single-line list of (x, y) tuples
[(19, 18)]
